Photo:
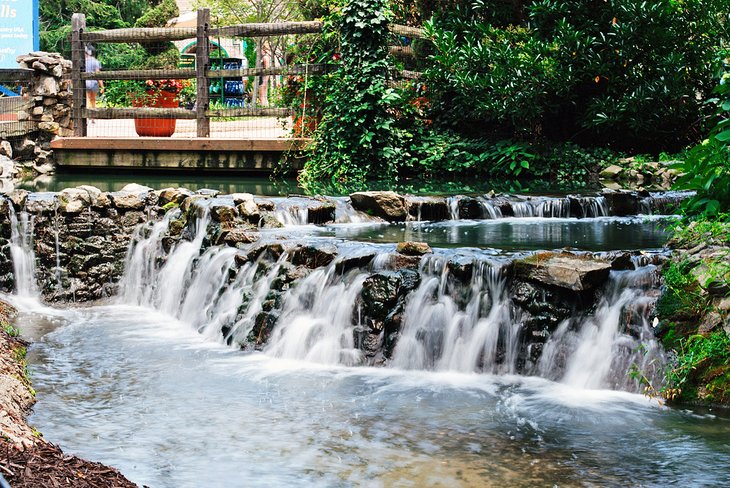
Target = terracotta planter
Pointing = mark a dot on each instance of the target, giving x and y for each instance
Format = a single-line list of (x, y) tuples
[(156, 127)]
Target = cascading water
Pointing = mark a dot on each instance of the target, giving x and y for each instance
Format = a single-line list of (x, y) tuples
[(440, 334), (598, 351), (317, 322), (464, 324), (21, 250)]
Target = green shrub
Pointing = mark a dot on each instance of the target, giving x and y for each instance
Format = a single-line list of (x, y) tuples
[(357, 137), (707, 166), (700, 369), (626, 73)]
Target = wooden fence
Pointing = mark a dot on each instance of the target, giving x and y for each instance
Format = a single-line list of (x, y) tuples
[(203, 72)]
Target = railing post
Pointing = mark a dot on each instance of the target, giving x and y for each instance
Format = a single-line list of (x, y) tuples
[(202, 64), (78, 60)]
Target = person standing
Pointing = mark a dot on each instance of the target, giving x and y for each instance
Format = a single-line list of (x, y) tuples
[(92, 86)]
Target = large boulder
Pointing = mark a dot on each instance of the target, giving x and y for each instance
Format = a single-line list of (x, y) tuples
[(386, 204), (564, 270), (622, 203), (427, 208)]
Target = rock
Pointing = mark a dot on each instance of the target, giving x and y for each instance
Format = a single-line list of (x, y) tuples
[(611, 173), (470, 208), (73, 200), (207, 192), (427, 208), (96, 197), (239, 198), (622, 203), (411, 248), (128, 201), (172, 195), (47, 86), (380, 294), (240, 236), (314, 256), (6, 149), (564, 270), (321, 212), (18, 197), (354, 261), (265, 205), (225, 214), (386, 204), (7, 167), (710, 321), (247, 207), (135, 188), (44, 169), (50, 127)]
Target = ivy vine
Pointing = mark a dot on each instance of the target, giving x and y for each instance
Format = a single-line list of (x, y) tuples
[(357, 137)]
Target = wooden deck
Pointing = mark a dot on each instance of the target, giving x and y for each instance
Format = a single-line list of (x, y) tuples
[(176, 154)]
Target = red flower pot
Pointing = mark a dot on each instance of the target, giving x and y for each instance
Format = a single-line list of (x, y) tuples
[(156, 127)]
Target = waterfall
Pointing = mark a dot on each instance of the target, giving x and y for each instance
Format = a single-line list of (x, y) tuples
[(291, 212), (598, 351), (57, 243), (21, 250), (439, 333), (317, 321), (346, 214), (463, 321), (453, 204)]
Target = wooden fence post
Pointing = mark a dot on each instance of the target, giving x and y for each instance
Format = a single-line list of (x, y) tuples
[(78, 60), (202, 64)]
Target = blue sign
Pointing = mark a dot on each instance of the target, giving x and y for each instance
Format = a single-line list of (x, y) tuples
[(18, 30)]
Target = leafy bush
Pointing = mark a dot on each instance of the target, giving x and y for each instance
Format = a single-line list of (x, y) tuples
[(707, 166), (357, 137), (631, 74), (700, 368)]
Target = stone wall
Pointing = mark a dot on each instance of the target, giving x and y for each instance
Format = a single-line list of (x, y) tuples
[(49, 111)]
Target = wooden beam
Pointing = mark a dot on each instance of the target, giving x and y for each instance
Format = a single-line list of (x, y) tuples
[(138, 113), (202, 64), (147, 74), (178, 144), (147, 34), (15, 75), (13, 128), (401, 51), (268, 29), (78, 66), (251, 112), (404, 30), (409, 75), (294, 69)]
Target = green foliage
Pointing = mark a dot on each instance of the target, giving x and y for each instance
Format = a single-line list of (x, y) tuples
[(631, 74), (158, 15), (441, 152), (11, 331), (55, 19), (682, 297), (707, 166), (358, 136), (702, 230), (700, 369)]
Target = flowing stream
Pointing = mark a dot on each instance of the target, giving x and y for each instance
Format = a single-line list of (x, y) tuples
[(154, 382)]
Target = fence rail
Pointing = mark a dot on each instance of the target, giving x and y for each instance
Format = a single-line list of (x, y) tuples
[(211, 72)]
